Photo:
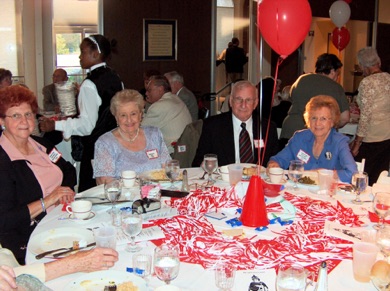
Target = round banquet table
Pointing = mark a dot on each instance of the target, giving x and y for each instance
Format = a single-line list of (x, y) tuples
[(193, 276)]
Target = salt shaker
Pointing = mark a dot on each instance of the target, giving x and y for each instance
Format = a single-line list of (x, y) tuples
[(184, 185), (322, 280)]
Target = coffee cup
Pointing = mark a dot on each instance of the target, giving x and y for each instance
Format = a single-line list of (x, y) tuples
[(224, 171), (80, 209), (275, 175), (128, 178)]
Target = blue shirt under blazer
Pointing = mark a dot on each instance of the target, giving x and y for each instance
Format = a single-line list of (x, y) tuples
[(336, 154)]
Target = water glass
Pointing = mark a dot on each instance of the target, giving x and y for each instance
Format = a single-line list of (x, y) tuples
[(105, 237), (210, 164), (224, 276), (364, 256), (166, 262), (291, 276), (235, 174), (295, 172), (382, 207), (142, 264)]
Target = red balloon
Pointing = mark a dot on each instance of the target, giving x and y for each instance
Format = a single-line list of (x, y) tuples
[(284, 24), (348, 1), (340, 38)]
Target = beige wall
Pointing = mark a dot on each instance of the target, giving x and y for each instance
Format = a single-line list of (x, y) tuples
[(318, 44)]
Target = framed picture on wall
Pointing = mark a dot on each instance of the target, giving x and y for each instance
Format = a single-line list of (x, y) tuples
[(160, 40)]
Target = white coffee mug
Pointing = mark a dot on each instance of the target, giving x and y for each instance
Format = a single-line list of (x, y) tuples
[(224, 171), (80, 209), (276, 175), (128, 178)]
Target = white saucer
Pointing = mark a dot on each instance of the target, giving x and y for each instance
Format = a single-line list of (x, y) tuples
[(91, 216), (282, 182)]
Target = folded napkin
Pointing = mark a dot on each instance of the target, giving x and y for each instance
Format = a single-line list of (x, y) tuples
[(380, 188), (375, 218)]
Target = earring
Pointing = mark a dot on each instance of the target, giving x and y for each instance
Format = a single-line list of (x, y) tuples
[(3, 127)]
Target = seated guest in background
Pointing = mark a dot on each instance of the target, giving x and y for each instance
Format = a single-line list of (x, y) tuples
[(129, 146), (176, 82), (167, 112), (280, 111), (5, 78), (323, 82), (83, 261), (223, 134), (319, 146), (33, 176), (267, 85), (372, 141), (50, 99), (146, 76)]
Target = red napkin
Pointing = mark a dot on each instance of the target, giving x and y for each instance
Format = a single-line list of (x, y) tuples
[(374, 217), (64, 207)]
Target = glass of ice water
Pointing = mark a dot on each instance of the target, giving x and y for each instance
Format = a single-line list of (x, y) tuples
[(167, 262)]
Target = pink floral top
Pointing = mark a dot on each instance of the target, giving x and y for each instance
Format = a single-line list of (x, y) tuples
[(374, 103)]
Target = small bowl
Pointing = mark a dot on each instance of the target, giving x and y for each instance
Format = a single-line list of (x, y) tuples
[(224, 171), (271, 190)]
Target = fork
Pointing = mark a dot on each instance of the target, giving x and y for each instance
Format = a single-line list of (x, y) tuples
[(98, 198)]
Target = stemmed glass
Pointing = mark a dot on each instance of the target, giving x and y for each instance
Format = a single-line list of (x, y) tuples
[(381, 207), (359, 184), (167, 262), (172, 170), (132, 226), (209, 165), (383, 241), (113, 190), (295, 172)]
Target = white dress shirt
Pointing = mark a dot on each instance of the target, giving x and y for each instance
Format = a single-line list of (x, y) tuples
[(89, 102), (237, 129)]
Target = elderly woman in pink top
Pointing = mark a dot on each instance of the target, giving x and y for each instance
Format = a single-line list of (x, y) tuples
[(33, 176)]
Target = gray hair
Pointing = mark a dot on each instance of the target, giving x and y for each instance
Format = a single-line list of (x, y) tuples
[(161, 81), (368, 57), (174, 77), (241, 85), (126, 96)]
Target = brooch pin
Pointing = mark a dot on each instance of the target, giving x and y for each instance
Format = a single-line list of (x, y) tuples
[(328, 155)]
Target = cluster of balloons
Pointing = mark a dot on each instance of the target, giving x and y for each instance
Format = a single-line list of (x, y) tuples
[(284, 24), (339, 13)]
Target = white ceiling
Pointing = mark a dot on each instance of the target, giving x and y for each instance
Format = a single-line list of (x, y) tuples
[(75, 12)]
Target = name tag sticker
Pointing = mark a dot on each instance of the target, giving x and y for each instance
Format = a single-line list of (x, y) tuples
[(258, 143), (303, 156), (182, 148), (54, 155), (152, 154)]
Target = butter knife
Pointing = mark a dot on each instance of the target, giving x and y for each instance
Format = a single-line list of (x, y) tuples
[(73, 249)]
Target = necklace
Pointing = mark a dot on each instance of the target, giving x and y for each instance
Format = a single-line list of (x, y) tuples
[(129, 139)]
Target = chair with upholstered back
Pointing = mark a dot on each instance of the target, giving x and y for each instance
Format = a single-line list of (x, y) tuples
[(187, 144)]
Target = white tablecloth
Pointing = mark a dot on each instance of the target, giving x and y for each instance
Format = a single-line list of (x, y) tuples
[(194, 277)]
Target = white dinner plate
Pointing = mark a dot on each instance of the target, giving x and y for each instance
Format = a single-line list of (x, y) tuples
[(98, 280), (247, 165), (56, 238), (313, 175), (157, 175), (282, 182)]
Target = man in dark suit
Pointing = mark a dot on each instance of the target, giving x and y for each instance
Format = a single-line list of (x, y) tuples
[(221, 133)]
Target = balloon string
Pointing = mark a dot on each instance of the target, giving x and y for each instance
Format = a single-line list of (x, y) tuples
[(280, 60)]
